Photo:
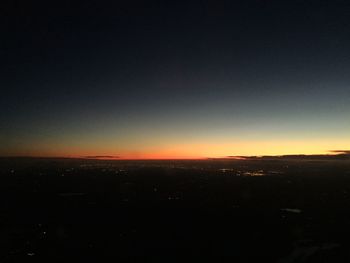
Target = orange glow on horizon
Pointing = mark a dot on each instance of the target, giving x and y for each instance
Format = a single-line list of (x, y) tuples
[(186, 150)]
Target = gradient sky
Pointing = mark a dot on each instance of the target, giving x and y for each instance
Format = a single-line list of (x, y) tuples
[(154, 79)]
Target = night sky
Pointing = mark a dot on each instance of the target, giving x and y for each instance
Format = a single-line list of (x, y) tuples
[(164, 79)]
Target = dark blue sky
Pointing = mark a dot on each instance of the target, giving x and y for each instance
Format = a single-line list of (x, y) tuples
[(151, 78)]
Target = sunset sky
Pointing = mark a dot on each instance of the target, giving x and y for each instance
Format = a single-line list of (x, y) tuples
[(161, 80)]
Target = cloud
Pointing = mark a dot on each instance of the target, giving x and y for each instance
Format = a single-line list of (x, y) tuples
[(340, 151), (333, 155)]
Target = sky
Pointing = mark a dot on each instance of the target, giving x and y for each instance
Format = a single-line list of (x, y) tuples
[(165, 79)]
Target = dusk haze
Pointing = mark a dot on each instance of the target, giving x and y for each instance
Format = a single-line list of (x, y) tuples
[(175, 131), (161, 80)]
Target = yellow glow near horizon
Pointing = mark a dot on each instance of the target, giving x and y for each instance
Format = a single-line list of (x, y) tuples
[(187, 150)]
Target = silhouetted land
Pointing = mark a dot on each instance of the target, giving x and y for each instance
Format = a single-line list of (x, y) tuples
[(279, 210)]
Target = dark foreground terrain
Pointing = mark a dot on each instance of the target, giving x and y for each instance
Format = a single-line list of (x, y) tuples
[(62, 210)]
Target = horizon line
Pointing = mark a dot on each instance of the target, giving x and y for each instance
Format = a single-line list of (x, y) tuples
[(229, 157)]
